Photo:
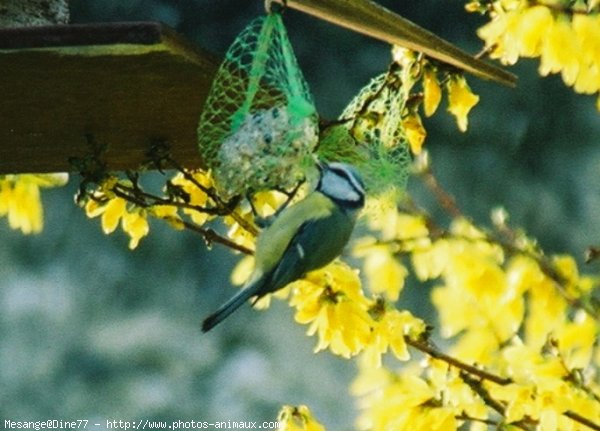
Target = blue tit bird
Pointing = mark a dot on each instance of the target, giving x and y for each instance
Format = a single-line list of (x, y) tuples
[(304, 237)]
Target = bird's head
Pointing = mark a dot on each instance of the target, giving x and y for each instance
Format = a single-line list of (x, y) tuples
[(341, 183)]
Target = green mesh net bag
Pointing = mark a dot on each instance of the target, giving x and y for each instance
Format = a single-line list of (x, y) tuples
[(371, 136), (259, 125)]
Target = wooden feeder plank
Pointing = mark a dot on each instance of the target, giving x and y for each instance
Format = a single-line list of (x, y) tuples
[(128, 85)]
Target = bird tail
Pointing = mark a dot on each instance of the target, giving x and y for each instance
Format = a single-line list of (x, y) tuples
[(229, 307)]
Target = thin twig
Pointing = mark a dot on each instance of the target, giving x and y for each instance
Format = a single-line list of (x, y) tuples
[(470, 374), (134, 194), (580, 419), (559, 8), (213, 195), (525, 423), (448, 203), (434, 353), (468, 418), (483, 393), (467, 371), (211, 236), (549, 271), (445, 199)]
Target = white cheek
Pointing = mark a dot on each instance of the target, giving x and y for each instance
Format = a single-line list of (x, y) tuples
[(341, 190), (332, 188), (353, 196)]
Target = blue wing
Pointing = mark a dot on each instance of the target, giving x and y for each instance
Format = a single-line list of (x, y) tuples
[(316, 244)]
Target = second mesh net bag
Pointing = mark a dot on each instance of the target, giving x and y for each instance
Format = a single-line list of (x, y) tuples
[(259, 126)]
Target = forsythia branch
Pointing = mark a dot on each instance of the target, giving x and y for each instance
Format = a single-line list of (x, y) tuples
[(509, 244), (188, 200), (473, 376), (210, 236), (476, 386), (229, 206), (584, 421), (427, 348), (445, 199)]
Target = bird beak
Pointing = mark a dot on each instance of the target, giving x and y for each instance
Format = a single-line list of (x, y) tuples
[(321, 166)]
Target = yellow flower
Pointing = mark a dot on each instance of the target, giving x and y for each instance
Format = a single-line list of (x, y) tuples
[(435, 419), (487, 314), (560, 51), (397, 225), (531, 30), (20, 199), (388, 333), (587, 29), (478, 344), (535, 402), (546, 312), (472, 271), (588, 81), (331, 301), (429, 262), (238, 233), (576, 340), (265, 204), (460, 100), (567, 269), (240, 275), (112, 212), (415, 132), (136, 226), (521, 274), (567, 43), (519, 399), (94, 207), (385, 274), (456, 312), (526, 364), (197, 196), (45, 180), (491, 33), (465, 261), (432, 93), (168, 213), (476, 300), (370, 380), (400, 403), (446, 381), (242, 270), (297, 419), (586, 407), (113, 209), (403, 56), (517, 32)]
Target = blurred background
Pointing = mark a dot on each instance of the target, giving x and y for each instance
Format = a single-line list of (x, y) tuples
[(91, 330)]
